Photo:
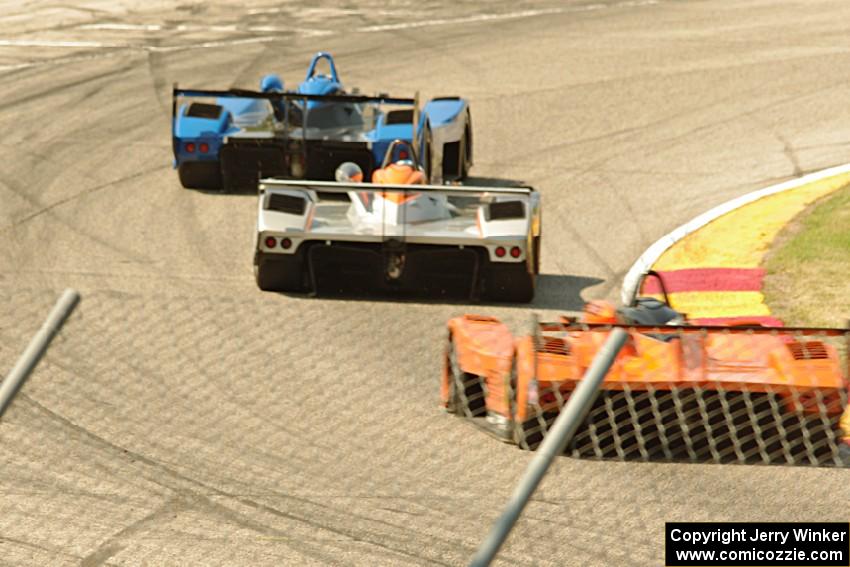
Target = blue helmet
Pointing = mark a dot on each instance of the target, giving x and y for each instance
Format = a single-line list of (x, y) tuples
[(271, 84)]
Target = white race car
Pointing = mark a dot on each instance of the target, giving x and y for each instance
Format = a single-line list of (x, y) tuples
[(436, 240)]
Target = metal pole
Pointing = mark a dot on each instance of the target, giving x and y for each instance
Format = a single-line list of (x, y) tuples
[(37, 347), (553, 444)]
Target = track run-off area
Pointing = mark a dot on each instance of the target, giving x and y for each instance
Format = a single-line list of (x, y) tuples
[(185, 417)]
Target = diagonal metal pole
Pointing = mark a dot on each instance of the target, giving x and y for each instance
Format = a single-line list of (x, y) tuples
[(37, 347), (554, 443)]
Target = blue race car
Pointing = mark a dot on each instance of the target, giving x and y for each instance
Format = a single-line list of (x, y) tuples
[(227, 140)]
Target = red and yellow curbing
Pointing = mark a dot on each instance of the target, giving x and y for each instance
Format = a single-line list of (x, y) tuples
[(714, 274)]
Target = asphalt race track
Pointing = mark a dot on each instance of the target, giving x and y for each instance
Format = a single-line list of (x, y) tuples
[(184, 417)]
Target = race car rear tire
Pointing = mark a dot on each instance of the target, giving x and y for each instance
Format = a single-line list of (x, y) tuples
[(427, 155), (466, 390), (278, 272), (511, 283), (536, 251), (200, 175), (466, 150)]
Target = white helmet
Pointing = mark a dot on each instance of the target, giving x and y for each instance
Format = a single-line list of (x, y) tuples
[(349, 172)]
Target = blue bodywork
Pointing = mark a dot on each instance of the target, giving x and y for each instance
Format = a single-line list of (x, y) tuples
[(315, 84), (212, 131), (280, 120)]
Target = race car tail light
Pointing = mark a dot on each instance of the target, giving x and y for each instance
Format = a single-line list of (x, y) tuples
[(515, 252), (500, 252), (190, 147), (204, 147), (286, 244), (271, 242), (548, 398)]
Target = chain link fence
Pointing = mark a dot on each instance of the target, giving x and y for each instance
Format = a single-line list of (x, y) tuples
[(676, 393)]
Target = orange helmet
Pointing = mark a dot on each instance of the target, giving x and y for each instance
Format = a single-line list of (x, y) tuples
[(599, 311), (399, 173), (400, 166)]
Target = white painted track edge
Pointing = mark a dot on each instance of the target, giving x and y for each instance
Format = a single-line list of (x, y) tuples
[(651, 255)]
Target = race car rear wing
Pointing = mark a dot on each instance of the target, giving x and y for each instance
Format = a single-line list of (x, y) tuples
[(276, 97), (573, 324), (447, 214), (335, 187), (177, 93)]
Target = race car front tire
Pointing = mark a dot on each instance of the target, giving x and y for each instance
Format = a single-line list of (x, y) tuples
[(510, 282), (200, 175), (279, 272)]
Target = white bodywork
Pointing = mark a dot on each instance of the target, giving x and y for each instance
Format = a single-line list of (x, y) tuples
[(439, 215), (383, 208)]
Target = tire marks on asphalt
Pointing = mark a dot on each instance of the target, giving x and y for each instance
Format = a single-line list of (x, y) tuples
[(54, 89), (172, 30), (189, 493), (43, 209)]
